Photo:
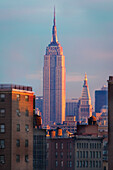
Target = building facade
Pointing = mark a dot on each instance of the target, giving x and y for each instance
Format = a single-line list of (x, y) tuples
[(72, 107), (16, 127), (54, 81), (85, 107), (101, 99)]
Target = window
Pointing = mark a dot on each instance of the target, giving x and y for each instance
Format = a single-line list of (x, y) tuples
[(80, 154), (70, 164), (56, 163), (61, 145), (26, 143), (93, 154), (18, 97), (26, 158), (2, 112), (86, 163), (18, 143), (77, 163), (2, 97), (83, 163), (17, 158), (90, 164), (99, 164), (2, 143), (27, 113), (70, 154), (47, 145), (80, 163), (18, 127), (2, 159), (2, 128), (99, 154), (27, 128), (83, 154), (18, 112), (70, 146), (61, 163), (96, 154), (77, 154), (93, 164), (61, 154), (56, 154), (96, 164), (56, 144), (90, 154), (26, 98), (86, 154)]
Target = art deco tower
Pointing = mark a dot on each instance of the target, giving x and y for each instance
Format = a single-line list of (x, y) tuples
[(54, 81), (85, 107)]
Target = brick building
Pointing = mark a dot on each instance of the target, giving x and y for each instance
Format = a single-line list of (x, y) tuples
[(16, 127)]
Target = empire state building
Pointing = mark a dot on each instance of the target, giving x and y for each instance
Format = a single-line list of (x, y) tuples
[(54, 81)]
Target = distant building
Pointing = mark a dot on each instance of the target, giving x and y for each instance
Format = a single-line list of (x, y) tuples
[(39, 105), (16, 127), (101, 99), (54, 81), (72, 107), (110, 123), (85, 107)]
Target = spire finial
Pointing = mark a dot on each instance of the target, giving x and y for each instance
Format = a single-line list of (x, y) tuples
[(54, 16), (85, 80), (85, 77)]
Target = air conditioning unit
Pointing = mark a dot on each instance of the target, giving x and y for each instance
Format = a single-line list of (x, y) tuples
[(27, 130)]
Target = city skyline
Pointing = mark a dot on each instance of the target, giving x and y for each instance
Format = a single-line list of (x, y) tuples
[(84, 31)]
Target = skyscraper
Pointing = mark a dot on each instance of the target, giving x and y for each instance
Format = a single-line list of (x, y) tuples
[(54, 81), (85, 107)]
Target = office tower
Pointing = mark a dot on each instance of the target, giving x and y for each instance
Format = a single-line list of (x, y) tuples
[(110, 122), (71, 107), (16, 127), (85, 107), (54, 81), (101, 99)]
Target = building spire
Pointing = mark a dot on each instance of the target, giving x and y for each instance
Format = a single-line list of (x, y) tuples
[(54, 31), (85, 80)]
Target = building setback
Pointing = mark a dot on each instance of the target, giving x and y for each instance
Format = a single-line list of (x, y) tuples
[(54, 81), (16, 127)]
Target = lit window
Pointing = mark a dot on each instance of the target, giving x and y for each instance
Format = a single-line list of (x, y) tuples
[(18, 97), (27, 113), (56, 145), (2, 112), (26, 143), (2, 128), (2, 159), (26, 158), (18, 143), (56, 163), (18, 127), (61, 163), (17, 158), (18, 112), (2, 97), (26, 98), (27, 128), (2, 143)]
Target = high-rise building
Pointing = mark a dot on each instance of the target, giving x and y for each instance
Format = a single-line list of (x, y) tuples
[(39, 105), (110, 122), (16, 127), (71, 107), (101, 99), (85, 107), (54, 81)]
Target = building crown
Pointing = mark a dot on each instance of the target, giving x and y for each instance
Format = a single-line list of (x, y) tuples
[(54, 31)]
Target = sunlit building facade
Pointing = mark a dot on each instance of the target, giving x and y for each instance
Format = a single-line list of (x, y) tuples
[(54, 81)]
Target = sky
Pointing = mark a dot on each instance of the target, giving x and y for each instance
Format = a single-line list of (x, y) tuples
[(84, 30)]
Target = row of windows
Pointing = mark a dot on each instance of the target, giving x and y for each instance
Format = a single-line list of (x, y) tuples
[(2, 143), (69, 145), (92, 145), (69, 154), (3, 96), (84, 109), (69, 163), (84, 154), (2, 128), (2, 112), (2, 158), (91, 164)]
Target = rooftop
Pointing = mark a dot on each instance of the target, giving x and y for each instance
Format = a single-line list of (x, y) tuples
[(14, 86)]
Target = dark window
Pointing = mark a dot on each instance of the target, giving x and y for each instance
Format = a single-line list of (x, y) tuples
[(2, 112), (18, 127), (2, 159), (27, 113), (27, 128), (26, 143), (18, 143), (2, 143), (26, 158), (2, 97), (17, 158), (18, 112), (2, 128)]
